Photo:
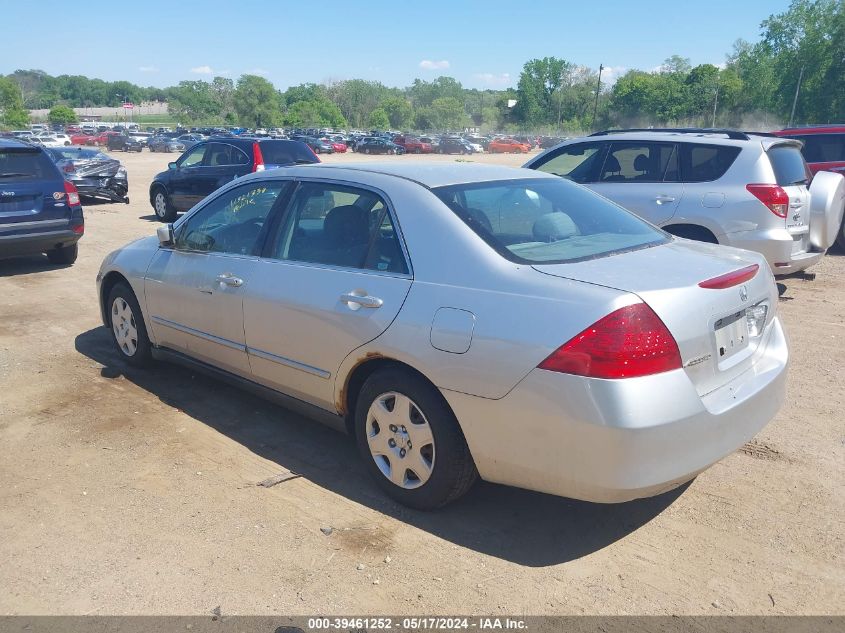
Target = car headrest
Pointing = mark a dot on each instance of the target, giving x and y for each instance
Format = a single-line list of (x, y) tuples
[(611, 165), (642, 163), (553, 227), (347, 225)]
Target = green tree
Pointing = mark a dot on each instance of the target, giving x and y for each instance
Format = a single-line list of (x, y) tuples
[(449, 114), (62, 115), (379, 120), (256, 102), (12, 113), (193, 102), (398, 110)]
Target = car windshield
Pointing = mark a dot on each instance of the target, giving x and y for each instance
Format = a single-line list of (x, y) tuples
[(547, 221)]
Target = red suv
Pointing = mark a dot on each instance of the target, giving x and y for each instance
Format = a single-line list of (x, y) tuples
[(824, 150), (412, 145)]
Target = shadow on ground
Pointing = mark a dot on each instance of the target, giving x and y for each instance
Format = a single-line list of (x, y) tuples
[(27, 264), (523, 527)]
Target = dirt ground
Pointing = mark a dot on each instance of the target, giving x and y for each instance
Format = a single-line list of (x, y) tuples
[(134, 492)]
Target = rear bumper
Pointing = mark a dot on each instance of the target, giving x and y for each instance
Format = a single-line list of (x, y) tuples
[(34, 243), (779, 248), (610, 441)]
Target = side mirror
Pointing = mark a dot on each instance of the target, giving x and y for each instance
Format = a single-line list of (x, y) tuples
[(165, 235), (172, 165)]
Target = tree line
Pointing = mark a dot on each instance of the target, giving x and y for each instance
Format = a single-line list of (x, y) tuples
[(755, 87)]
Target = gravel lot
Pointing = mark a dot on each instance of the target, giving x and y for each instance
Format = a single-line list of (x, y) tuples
[(134, 492)]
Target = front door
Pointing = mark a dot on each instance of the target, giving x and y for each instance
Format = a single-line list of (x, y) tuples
[(195, 289), (184, 182), (332, 278)]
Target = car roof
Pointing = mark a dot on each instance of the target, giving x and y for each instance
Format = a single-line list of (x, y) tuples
[(828, 128), (429, 175), (710, 137), (13, 143)]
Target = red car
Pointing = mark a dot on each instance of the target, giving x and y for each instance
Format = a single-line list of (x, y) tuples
[(103, 138), (824, 146), (824, 150), (413, 145), (338, 146), (81, 138)]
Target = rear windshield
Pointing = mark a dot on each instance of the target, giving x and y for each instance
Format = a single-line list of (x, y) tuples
[(25, 163), (789, 165), (287, 153), (547, 221), (77, 154)]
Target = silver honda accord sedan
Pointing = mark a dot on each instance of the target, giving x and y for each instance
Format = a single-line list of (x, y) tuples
[(464, 321)]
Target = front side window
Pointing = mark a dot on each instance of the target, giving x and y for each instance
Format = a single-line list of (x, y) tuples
[(578, 163), (547, 221), (231, 223), (194, 157), (336, 225), (639, 162)]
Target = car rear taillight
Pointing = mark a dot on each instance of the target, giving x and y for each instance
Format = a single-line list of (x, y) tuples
[(729, 280), (773, 197), (629, 342), (79, 229), (257, 158), (72, 194)]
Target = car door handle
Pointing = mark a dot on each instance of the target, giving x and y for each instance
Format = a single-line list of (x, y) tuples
[(664, 199), (230, 280), (361, 301)]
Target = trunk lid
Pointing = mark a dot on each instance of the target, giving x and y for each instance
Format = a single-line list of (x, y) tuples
[(708, 324)]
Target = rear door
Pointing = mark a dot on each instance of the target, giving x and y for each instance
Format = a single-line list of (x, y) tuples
[(32, 193), (643, 177), (333, 277)]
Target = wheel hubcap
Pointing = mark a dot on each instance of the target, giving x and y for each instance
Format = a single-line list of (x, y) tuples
[(123, 326), (160, 205), (400, 440)]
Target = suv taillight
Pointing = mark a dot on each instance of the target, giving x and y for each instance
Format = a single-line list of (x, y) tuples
[(629, 342), (773, 196), (72, 194), (257, 158)]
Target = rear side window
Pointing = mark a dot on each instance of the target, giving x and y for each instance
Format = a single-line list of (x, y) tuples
[(25, 163), (788, 165), (823, 148), (287, 153), (703, 163)]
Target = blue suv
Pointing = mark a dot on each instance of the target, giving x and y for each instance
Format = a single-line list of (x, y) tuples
[(40, 211)]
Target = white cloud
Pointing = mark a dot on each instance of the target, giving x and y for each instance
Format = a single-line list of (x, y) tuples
[(258, 71), (148, 69), (428, 64), (494, 80), (202, 70), (610, 74)]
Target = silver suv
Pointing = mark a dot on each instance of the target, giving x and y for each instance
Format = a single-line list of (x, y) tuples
[(747, 190)]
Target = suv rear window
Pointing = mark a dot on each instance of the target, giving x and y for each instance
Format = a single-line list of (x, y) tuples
[(287, 153), (547, 221), (27, 163), (788, 165), (703, 163)]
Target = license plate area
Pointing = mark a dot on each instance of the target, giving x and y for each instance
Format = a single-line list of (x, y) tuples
[(731, 336)]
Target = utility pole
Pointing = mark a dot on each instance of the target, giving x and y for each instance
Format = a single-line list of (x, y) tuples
[(598, 90), (795, 100), (715, 103)]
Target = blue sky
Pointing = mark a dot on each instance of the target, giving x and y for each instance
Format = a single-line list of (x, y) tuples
[(482, 44)]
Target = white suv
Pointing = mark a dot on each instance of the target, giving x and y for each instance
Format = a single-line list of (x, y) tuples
[(747, 190)]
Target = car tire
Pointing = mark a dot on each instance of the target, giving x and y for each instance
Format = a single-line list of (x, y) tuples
[(127, 327), (161, 205), (391, 152), (840, 239), (63, 255), (442, 456), (366, 150)]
